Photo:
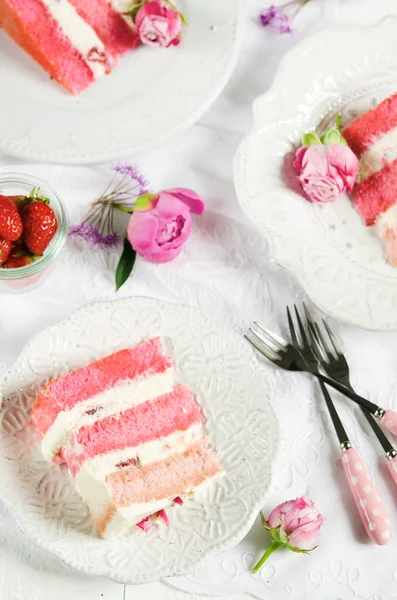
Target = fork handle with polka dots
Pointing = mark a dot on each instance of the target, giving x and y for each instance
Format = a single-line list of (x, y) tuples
[(369, 504)]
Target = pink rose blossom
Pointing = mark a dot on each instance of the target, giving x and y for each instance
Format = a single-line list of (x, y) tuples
[(159, 233), (299, 520), (325, 172), (158, 24), (294, 524)]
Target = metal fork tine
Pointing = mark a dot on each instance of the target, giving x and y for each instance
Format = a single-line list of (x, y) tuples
[(272, 336), (267, 343), (260, 347), (332, 338), (323, 341), (301, 327), (310, 324), (320, 344), (292, 329)]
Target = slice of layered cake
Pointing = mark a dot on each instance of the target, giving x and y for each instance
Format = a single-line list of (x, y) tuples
[(133, 440), (75, 41), (373, 138)]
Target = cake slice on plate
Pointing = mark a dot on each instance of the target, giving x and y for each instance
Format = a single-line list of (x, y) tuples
[(133, 440), (75, 41), (373, 138)]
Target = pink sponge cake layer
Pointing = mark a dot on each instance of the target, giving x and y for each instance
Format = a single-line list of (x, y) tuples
[(64, 393), (110, 26), (31, 26), (168, 478), (376, 194), (362, 133), (153, 419)]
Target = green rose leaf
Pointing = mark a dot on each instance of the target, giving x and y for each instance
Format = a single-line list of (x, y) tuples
[(144, 202), (331, 136), (279, 535), (125, 264), (338, 122), (126, 209), (309, 139)]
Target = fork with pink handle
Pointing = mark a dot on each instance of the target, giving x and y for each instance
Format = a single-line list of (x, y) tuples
[(300, 357)]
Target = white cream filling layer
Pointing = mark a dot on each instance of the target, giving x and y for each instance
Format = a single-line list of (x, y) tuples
[(384, 150), (149, 452), (122, 6), (126, 517), (80, 34), (108, 403)]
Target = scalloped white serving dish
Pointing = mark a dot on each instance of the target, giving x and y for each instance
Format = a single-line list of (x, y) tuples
[(336, 258), (151, 95)]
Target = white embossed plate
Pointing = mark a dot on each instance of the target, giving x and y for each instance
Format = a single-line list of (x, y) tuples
[(236, 395), (150, 96), (336, 258)]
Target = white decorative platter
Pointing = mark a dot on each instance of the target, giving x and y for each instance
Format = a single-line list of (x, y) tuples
[(236, 395), (337, 259), (152, 94)]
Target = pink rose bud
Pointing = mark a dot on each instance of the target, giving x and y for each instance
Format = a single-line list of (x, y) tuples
[(158, 24), (294, 524), (325, 172), (158, 234)]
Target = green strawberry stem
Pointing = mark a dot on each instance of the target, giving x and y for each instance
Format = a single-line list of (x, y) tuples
[(272, 548)]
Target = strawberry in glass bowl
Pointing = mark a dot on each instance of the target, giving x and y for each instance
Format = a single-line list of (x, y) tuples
[(33, 229)]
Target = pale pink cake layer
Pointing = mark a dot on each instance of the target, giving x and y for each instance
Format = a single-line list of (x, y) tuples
[(362, 133), (376, 194), (124, 366), (31, 26), (117, 36), (153, 419), (164, 479)]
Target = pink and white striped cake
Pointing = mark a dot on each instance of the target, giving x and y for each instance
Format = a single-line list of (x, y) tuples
[(131, 437), (75, 41), (373, 138)]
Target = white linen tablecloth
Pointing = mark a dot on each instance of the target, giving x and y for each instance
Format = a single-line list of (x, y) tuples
[(226, 271)]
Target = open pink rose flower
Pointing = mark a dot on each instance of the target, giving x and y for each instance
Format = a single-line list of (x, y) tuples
[(158, 24), (326, 171), (294, 524), (158, 234)]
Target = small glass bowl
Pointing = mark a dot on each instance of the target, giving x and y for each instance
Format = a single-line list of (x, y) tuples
[(25, 278)]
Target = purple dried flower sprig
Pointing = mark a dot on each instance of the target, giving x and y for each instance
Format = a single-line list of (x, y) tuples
[(279, 18), (90, 233), (97, 227)]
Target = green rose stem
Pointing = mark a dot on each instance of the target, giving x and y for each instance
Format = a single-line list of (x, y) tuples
[(272, 548)]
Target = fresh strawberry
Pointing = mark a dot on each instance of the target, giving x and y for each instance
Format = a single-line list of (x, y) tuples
[(10, 221), (5, 250), (39, 226), (15, 262), (18, 248)]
